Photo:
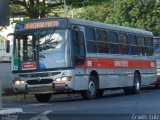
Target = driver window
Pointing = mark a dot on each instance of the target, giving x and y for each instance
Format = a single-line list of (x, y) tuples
[(78, 47)]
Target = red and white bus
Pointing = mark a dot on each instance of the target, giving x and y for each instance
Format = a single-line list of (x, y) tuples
[(62, 55)]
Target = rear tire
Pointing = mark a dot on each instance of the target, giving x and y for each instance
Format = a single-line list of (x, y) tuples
[(43, 97), (136, 87), (92, 89), (137, 83)]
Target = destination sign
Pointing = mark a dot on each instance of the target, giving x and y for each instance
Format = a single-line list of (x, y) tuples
[(41, 23)]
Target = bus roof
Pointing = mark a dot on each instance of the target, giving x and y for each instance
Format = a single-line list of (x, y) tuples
[(109, 26), (63, 21)]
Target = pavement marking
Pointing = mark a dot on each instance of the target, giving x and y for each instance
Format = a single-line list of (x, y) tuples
[(47, 112), (42, 116), (37, 104)]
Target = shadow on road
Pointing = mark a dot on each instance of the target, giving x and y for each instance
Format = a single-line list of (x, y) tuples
[(107, 94)]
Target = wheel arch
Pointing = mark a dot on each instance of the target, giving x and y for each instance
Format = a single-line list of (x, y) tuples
[(95, 74), (138, 72)]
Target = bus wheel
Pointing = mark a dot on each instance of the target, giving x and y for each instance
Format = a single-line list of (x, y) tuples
[(137, 83), (92, 89), (42, 97), (136, 87)]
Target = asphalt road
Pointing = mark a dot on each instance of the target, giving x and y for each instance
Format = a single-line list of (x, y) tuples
[(113, 104), (6, 76)]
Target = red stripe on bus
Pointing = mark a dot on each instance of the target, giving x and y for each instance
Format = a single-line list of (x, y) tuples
[(117, 63)]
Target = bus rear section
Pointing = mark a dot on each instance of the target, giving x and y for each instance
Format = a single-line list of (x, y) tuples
[(157, 55), (66, 55)]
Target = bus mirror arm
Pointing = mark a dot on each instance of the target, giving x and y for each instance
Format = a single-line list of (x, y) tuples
[(10, 34)]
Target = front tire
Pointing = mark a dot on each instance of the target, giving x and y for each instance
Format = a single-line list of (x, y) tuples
[(91, 92), (43, 97)]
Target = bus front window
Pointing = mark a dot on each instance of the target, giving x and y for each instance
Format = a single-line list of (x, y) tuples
[(52, 49), (45, 48)]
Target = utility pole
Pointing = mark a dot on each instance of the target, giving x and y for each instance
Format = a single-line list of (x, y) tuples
[(4, 21), (65, 9)]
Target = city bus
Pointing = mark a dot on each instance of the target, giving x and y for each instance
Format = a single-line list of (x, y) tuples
[(156, 40), (69, 55)]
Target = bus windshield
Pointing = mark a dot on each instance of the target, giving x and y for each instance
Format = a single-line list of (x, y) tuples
[(45, 48)]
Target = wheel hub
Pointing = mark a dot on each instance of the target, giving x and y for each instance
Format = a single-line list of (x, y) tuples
[(92, 88)]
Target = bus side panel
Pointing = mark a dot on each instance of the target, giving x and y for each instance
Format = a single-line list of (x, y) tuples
[(148, 76), (81, 80)]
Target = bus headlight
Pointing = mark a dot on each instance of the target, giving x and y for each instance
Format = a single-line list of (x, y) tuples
[(58, 80), (63, 79), (23, 82), (69, 78), (18, 82)]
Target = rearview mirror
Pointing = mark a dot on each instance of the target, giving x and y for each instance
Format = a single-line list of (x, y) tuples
[(10, 36), (7, 46)]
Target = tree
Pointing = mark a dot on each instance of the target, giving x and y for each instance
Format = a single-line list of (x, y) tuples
[(95, 12), (41, 8), (2, 39), (143, 14)]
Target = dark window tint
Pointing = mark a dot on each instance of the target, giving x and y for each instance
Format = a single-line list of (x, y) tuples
[(141, 51), (122, 38), (112, 37), (140, 40), (149, 41), (102, 47), (90, 33), (102, 35), (132, 50), (149, 51), (123, 49), (91, 47), (78, 47), (132, 39), (113, 48), (80, 42)]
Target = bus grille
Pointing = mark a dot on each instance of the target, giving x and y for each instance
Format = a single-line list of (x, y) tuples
[(33, 75), (42, 81)]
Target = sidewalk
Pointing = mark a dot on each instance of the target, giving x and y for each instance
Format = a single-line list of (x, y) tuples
[(5, 111)]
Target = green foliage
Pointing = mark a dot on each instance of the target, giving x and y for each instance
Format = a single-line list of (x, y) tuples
[(143, 14), (95, 13), (2, 39), (14, 9)]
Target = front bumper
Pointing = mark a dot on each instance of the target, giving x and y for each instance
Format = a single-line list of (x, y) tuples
[(41, 89)]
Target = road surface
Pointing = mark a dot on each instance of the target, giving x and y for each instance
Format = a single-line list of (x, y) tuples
[(114, 104)]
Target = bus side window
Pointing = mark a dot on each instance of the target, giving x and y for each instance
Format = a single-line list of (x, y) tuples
[(132, 41), (149, 48), (78, 47), (123, 43), (141, 46)]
